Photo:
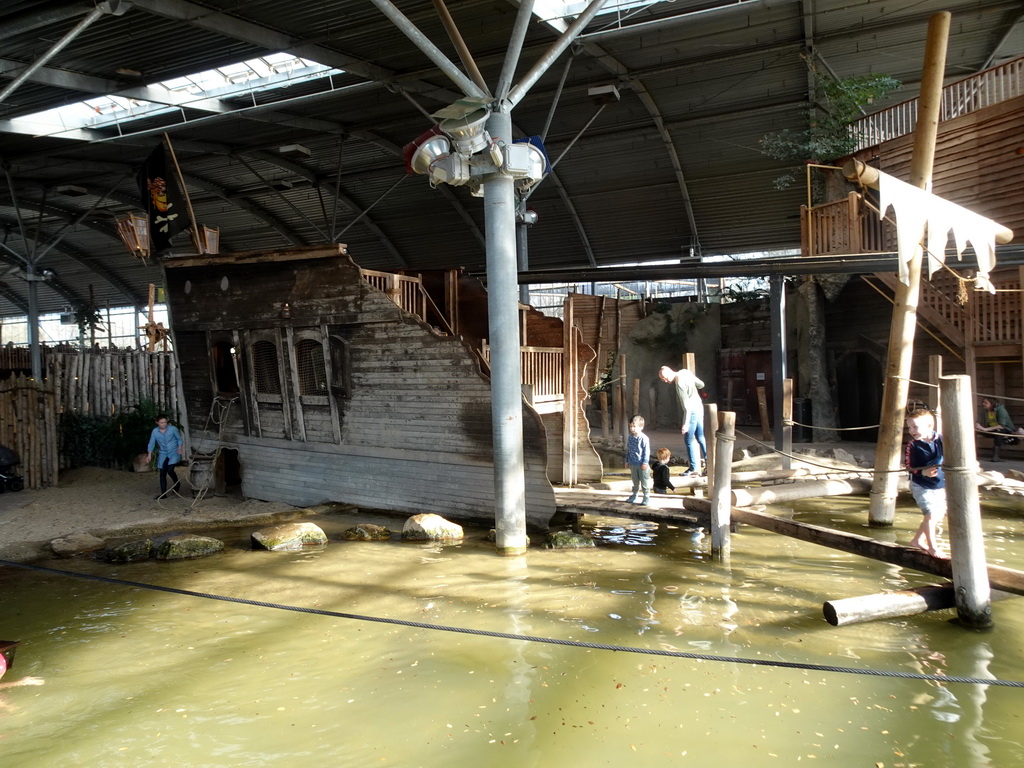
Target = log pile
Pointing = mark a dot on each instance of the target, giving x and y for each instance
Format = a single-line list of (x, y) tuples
[(28, 426)]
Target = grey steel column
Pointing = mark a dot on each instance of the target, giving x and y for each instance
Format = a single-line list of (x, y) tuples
[(777, 299), (33, 321), (506, 396)]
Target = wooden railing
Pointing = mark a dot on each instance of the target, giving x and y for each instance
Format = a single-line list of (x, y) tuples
[(978, 91), (541, 370), (407, 292), (845, 227), (996, 318)]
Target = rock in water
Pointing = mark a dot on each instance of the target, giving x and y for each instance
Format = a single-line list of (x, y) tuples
[(568, 540), (187, 546), (366, 532), (75, 544), (130, 551), (430, 527), (288, 537)]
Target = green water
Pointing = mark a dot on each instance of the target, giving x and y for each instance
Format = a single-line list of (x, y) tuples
[(136, 677)]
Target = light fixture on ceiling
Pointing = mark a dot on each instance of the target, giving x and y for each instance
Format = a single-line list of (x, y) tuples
[(133, 230), (71, 190), (424, 150), (294, 151), (603, 94), (467, 133)]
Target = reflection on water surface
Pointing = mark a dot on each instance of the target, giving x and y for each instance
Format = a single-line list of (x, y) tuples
[(139, 677)]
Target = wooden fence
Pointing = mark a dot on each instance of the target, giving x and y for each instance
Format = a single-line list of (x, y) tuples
[(28, 426), (104, 382)]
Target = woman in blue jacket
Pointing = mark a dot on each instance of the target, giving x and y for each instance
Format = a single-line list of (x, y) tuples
[(167, 439)]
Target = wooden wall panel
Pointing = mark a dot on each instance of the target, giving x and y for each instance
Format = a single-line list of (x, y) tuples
[(977, 164), (418, 414)]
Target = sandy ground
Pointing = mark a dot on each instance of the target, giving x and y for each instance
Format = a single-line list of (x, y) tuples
[(108, 503)]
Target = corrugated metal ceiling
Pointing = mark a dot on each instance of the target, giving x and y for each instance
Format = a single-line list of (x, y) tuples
[(699, 87)]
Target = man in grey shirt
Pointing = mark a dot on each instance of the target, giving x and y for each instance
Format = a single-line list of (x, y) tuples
[(686, 386)]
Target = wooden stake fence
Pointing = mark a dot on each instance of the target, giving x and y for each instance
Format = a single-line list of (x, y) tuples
[(28, 426), (104, 382)]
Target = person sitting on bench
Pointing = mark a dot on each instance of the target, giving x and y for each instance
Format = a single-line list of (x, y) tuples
[(993, 418)]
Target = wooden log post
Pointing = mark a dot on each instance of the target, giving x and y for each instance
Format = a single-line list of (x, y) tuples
[(966, 542), (762, 410), (787, 423), (602, 400), (895, 385), (636, 397), (623, 424), (710, 423), (934, 374), (721, 496), (806, 489)]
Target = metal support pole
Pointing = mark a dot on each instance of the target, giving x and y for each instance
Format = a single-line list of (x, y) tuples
[(515, 48), (777, 293), (431, 51), (503, 319), (57, 47), (966, 540), (551, 55), (33, 321)]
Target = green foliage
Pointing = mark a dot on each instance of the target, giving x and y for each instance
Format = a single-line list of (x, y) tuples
[(829, 136), (88, 317), (107, 441)]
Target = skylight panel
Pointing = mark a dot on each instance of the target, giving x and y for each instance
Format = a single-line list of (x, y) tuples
[(262, 74), (558, 13)]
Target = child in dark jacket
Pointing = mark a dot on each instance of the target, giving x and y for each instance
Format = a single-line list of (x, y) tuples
[(659, 467), (927, 483)]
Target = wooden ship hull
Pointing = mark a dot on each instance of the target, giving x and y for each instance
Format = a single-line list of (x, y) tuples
[(311, 386)]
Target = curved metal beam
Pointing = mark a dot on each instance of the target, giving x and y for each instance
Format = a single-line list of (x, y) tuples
[(251, 208), (101, 271), (302, 172), (618, 69)]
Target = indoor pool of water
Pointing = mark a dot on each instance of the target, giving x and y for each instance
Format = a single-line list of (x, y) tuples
[(139, 677)]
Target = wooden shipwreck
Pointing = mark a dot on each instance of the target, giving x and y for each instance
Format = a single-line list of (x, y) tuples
[(307, 379)]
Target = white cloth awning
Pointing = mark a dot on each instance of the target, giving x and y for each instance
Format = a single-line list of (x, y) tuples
[(924, 221)]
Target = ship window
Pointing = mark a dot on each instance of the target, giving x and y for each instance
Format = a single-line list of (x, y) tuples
[(309, 356), (265, 368)]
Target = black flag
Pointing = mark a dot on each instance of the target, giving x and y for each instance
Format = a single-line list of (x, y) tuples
[(162, 199)]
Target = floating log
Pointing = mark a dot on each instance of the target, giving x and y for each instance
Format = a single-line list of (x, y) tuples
[(755, 475), (1006, 579), (745, 497), (886, 605)]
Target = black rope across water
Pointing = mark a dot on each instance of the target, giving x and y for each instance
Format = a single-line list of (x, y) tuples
[(528, 638)]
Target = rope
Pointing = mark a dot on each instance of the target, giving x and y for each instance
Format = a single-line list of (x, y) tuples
[(529, 638), (791, 423), (804, 460)]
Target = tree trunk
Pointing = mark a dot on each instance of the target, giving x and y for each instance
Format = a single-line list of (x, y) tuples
[(823, 410)]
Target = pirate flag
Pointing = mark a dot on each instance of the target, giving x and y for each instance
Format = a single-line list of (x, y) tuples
[(162, 199)]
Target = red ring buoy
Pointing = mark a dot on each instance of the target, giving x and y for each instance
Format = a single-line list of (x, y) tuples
[(3, 664)]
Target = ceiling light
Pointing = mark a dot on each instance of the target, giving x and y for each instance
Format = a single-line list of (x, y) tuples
[(603, 94), (294, 151), (70, 190), (467, 133), (420, 153)]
